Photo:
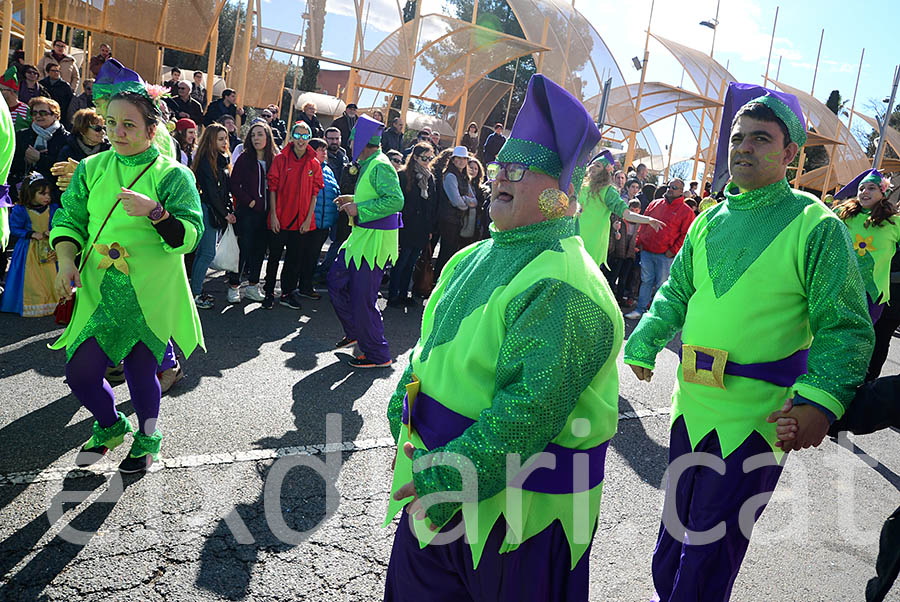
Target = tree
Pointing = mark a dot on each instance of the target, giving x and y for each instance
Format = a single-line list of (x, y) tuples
[(309, 75)]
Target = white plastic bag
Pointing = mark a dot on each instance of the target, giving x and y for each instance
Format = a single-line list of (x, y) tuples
[(227, 252)]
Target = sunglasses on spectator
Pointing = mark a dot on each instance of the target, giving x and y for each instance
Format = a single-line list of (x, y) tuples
[(97, 128), (514, 171), (428, 158), (41, 113), (299, 136), (397, 161)]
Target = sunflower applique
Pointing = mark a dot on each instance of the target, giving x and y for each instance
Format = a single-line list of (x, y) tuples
[(863, 245), (113, 255)]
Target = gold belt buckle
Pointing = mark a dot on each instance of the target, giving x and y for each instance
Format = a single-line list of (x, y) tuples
[(412, 390), (714, 377)]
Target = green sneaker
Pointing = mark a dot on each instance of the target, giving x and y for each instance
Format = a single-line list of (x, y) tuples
[(102, 440), (144, 450)]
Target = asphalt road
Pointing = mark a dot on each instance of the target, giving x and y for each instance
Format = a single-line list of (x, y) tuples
[(235, 511)]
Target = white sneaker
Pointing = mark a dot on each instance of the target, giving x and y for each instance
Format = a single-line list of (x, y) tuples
[(234, 294), (633, 315), (253, 293)]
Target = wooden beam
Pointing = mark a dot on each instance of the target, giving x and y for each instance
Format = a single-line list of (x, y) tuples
[(211, 62), (7, 30)]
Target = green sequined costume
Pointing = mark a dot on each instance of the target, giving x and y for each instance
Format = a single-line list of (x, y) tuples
[(593, 223), (762, 275), (147, 299), (521, 335)]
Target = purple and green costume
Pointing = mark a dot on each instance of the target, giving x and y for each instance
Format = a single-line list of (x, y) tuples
[(770, 305), (517, 356), (134, 296), (874, 245), (354, 278)]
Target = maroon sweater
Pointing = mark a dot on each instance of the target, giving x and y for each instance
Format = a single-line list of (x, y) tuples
[(248, 182)]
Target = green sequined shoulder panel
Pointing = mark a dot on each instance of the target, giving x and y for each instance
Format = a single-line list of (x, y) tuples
[(735, 238), (491, 266)]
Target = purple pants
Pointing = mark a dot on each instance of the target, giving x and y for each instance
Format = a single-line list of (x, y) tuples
[(85, 376), (354, 296), (703, 498), (537, 571), (875, 309), (168, 362)]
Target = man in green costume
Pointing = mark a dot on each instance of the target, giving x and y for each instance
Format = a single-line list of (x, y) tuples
[(517, 356), (771, 305), (355, 276)]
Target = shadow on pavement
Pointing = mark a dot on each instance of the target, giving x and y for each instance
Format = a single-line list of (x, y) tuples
[(29, 582), (645, 456), (228, 556)]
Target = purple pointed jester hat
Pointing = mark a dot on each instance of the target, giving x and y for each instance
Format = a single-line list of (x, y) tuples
[(553, 134), (366, 131), (852, 188), (114, 77), (785, 106)]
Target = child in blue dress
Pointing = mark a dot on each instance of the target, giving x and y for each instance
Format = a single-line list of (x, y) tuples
[(29, 283)]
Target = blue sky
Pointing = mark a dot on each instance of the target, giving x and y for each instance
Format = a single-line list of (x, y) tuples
[(742, 41), (743, 38)]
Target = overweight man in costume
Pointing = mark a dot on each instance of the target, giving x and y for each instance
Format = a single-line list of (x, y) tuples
[(355, 276), (517, 356), (771, 306)]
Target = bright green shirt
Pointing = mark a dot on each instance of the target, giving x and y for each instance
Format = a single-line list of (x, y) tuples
[(7, 150), (151, 303), (761, 275), (377, 195), (593, 223), (521, 335), (874, 247)]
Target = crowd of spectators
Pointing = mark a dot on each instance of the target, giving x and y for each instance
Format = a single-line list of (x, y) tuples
[(275, 186)]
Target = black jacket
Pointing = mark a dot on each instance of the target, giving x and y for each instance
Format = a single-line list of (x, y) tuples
[(337, 162), (61, 92), (215, 192), (419, 215), (191, 107), (391, 140), (345, 124), (216, 109), (72, 150), (315, 127), (492, 146)]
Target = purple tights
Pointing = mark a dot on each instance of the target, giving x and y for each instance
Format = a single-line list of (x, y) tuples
[(85, 375)]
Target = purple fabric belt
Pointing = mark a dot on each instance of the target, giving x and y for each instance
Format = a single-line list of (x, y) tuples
[(783, 372), (391, 222), (5, 201), (437, 425)]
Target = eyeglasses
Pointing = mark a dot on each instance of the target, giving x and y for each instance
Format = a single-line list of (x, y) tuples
[(267, 115), (98, 128), (426, 159), (299, 136), (53, 71), (41, 113), (397, 161), (514, 171)]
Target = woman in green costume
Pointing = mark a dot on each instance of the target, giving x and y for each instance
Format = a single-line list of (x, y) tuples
[(874, 232), (599, 198), (132, 213)]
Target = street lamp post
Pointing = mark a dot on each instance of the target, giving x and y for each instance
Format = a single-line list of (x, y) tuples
[(714, 25)]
